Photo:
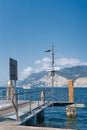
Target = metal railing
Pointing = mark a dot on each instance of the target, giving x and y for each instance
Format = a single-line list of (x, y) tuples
[(28, 99)]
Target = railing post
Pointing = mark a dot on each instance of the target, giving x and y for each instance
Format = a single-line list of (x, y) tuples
[(15, 104), (0, 95), (38, 102), (38, 99), (43, 96), (30, 102), (48, 95)]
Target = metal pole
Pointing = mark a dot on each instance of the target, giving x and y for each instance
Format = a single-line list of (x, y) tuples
[(52, 73), (52, 65), (30, 102), (16, 101)]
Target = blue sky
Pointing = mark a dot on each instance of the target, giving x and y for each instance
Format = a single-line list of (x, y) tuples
[(28, 27)]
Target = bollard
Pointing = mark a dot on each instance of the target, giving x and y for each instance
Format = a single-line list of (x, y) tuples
[(71, 112)]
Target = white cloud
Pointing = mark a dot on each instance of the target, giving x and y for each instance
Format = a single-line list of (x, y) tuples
[(67, 62), (45, 64), (84, 63), (44, 60), (42, 64), (26, 72), (38, 62)]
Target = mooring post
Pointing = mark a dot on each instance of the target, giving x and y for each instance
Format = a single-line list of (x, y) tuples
[(71, 109), (71, 90)]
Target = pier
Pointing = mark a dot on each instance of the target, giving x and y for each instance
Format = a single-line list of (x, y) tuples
[(26, 110), (18, 107), (22, 106), (9, 108)]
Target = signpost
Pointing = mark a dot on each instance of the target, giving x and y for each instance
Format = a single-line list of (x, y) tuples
[(13, 69), (13, 74)]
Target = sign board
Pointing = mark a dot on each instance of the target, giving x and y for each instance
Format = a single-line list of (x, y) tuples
[(52, 73), (13, 69)]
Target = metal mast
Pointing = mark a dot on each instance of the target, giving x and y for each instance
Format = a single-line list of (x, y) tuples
[(52, 72)]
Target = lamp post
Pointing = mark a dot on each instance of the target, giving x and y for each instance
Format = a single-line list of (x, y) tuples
[(52, 71)]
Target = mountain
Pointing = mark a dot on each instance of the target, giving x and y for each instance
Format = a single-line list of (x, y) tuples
[(73, 72), (76, 73), (81, 82), (33, 78)]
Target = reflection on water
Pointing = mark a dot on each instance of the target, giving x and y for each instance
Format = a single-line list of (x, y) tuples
[(52, 117), (37, 120), (56, 117), (40, 118), (70, 123)]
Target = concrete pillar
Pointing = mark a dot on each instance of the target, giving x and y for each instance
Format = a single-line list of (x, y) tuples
[(10, 90), (71, 112), (71, 90)]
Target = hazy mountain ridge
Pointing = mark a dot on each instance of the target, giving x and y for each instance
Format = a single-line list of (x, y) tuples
[(77, 73), (81, 82), (73, 72)]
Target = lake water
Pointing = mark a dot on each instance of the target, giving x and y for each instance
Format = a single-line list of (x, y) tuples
[(56, 116)]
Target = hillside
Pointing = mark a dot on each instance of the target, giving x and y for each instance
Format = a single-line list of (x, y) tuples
[(61, 77), (73, 72)]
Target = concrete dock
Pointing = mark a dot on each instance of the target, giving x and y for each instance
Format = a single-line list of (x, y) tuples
[(7, 126), (9, 119)]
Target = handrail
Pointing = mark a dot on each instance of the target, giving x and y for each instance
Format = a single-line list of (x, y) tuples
[(38, 98), (32, 91)]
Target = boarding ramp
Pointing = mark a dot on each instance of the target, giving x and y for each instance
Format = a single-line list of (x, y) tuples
[(25, 105)]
